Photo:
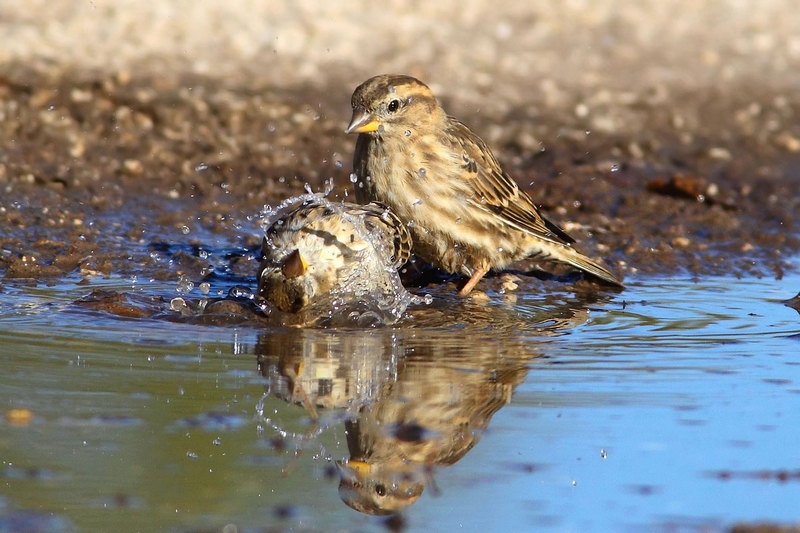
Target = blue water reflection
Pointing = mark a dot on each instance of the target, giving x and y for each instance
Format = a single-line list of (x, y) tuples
[(670, 406)]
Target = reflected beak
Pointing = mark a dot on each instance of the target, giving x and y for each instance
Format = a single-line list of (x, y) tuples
[(353, 472), (294, 265), (362, 121)]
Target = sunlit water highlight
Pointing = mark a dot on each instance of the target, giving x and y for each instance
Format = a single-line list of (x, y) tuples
[(670, 406)]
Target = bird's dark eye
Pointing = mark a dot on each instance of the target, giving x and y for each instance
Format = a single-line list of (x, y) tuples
[(394, 105), (380, 490)]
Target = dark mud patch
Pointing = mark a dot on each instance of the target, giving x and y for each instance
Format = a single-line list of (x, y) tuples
[(163, 177)]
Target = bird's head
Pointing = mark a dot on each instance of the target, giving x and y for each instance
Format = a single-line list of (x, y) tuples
[(392, 104)]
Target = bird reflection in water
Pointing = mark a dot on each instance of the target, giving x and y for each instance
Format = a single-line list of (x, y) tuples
[(415, 399)]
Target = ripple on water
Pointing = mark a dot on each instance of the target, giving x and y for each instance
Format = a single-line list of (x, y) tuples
[(670, 393)]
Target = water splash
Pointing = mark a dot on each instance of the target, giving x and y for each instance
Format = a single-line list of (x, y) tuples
[(369, 296), (270, 214)]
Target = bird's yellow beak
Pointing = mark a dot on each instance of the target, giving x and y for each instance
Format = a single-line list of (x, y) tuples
[(362, 121), (294, 265), (359, 468)]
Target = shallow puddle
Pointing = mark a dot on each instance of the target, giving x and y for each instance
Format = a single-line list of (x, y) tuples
[(669, 406)]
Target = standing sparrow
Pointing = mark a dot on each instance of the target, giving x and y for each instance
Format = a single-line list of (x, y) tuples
[(465, 213), (322, 255)]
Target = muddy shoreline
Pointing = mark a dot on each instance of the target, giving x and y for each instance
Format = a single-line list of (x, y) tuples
[(100, 171)]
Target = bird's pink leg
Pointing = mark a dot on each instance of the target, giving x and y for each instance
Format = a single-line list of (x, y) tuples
[(476, 277)]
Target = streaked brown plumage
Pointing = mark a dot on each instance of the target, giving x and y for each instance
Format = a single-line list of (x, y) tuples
[(324, 250), (466, 215)]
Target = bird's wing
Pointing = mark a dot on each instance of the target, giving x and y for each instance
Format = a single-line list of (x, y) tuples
[(396, 236), (495, 190)]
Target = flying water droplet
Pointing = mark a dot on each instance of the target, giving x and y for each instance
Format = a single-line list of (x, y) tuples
[(201, 167), (381, 129), (353, 177), (408, 133), (240, 292), (422, 172), (185, 230), (614, 168), (177, 304), (185, 285)]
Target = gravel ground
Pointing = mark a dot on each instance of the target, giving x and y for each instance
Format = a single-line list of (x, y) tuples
[(663, 136)]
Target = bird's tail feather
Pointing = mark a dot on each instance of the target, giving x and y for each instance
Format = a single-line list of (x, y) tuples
[(572, 257)]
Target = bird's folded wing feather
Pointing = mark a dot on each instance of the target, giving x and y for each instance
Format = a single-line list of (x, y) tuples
[(495, 190)]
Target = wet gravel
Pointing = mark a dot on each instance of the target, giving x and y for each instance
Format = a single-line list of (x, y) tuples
[(163, 176)]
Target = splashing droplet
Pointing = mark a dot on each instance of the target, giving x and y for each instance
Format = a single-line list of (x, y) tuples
[(185, 285), (353, 177), (422, 172), (240, 292), (177, 304)]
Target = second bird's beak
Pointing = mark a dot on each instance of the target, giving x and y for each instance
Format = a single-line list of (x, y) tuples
[(362, 121), (294, 265)]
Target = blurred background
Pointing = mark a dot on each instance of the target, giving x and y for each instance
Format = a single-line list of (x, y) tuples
[(471, 48)]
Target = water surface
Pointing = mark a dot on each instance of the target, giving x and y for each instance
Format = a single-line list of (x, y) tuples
[(669, 406)]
